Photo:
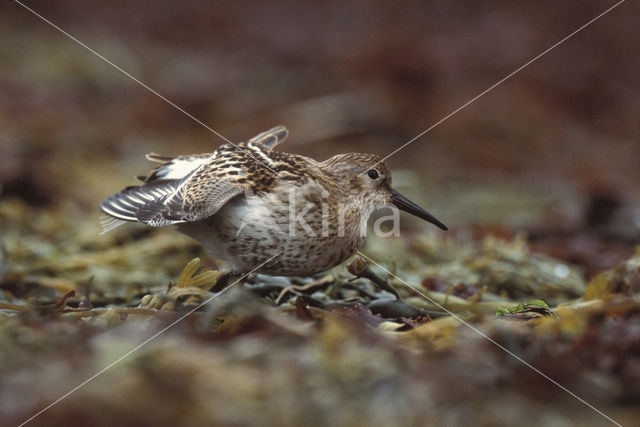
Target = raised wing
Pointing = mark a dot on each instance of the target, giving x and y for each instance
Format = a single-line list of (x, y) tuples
[(200, 195), (269, 139), (174, 167), (124, 206), (192, 188)]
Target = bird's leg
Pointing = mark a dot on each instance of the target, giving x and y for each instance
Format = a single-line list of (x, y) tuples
[(227, 278), (359, 268)]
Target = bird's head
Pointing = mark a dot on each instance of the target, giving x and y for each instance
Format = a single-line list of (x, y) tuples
[(367, 178)]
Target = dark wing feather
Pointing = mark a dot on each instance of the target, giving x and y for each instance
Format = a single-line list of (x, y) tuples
[(204, 191), (125, 204), (196, 199), (174, 193)]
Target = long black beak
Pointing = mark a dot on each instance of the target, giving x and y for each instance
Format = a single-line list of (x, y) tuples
[(407, 205)]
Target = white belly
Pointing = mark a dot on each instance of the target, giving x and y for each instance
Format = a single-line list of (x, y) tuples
[(247, 232)]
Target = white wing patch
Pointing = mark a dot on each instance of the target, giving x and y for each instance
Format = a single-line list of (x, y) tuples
[(192, 187), (178, 167)]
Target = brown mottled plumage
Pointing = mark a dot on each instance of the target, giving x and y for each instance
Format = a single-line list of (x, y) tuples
[(247, 202)]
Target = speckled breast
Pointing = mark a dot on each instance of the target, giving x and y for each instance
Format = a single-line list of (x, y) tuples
[(249, 231)]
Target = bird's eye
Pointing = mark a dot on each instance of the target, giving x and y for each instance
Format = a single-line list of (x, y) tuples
[(373, 174)]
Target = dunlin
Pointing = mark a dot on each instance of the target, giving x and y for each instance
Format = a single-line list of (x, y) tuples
[(247, 202)]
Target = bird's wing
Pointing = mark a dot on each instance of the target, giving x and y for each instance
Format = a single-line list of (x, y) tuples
[(174, 167), (125, 205), (192, 188), (196, 197), (181, 166), (166, 202), (269, 139)]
